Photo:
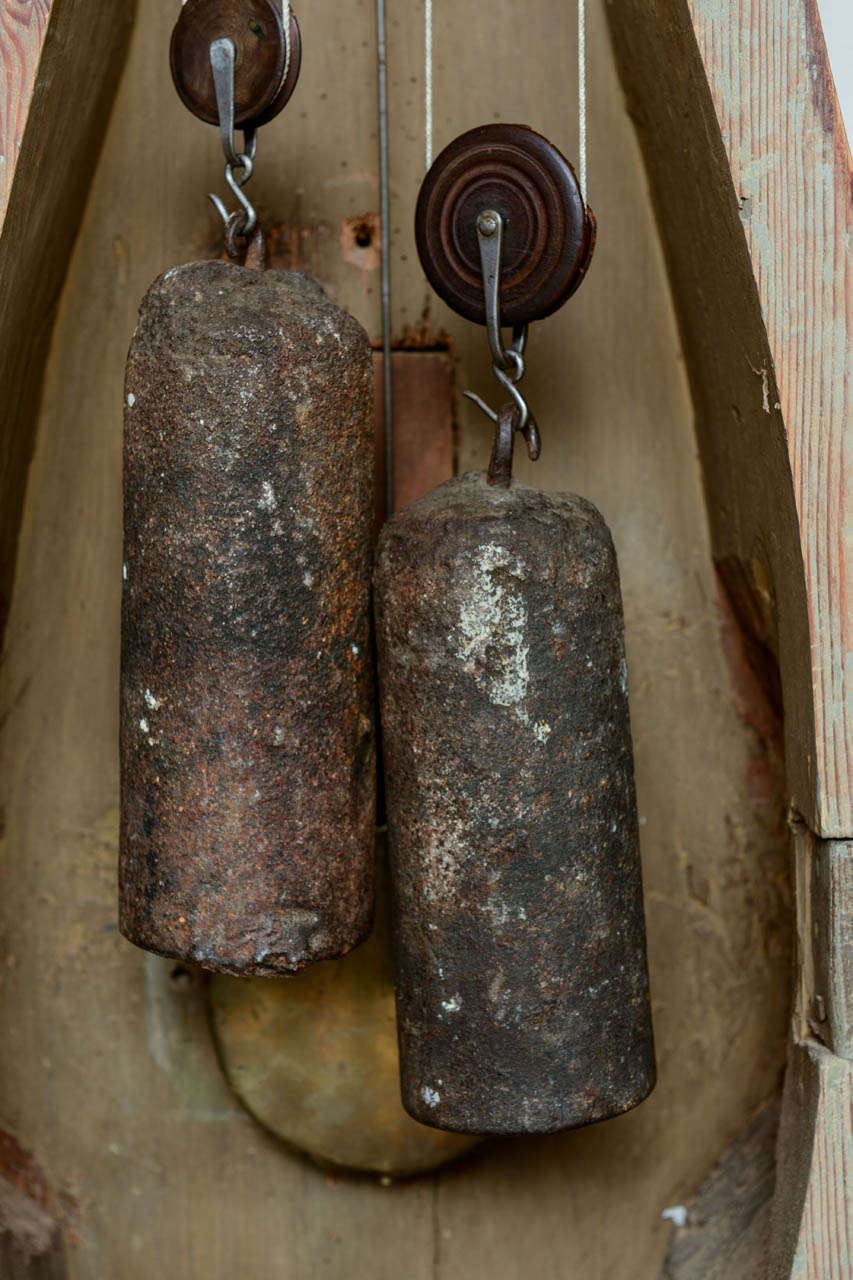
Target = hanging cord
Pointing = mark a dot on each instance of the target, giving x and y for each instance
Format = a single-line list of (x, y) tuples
[(285, 18), (582, 97), (428, 84), (385, 225)]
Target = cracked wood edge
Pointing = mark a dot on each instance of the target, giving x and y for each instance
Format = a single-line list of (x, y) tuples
[(823, 999), (61, 61)]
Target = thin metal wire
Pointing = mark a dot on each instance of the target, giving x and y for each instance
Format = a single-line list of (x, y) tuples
[(385, 221), (582, 97), (428, 83)]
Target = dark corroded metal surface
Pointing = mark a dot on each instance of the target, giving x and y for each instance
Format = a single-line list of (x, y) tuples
[(549, 233), (247, 743), (522, 991)]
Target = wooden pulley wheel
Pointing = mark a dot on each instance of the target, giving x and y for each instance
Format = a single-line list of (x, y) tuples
[(549, 232), (263, 78)]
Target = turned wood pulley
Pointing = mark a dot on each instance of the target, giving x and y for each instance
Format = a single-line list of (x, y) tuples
[(549, 233), (267, 58)]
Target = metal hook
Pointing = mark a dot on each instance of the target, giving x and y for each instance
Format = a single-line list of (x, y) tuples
[(507, 363), (222, 56), (490, 239)]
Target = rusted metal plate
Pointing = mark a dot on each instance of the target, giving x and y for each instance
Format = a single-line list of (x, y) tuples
[(522, 988), (247, 742), (315, 1059), (423, 425)]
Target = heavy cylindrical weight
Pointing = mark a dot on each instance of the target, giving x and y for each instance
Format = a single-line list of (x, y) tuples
[(522, 989), (247, 742)]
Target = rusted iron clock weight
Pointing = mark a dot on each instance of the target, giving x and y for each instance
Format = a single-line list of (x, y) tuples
[(522, 988), (247, 736)]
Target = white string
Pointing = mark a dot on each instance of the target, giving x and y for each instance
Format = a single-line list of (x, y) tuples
[(582, 97), (428, 82)]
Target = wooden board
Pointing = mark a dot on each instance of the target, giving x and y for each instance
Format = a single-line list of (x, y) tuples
[(726, 1233), (107, 1073), (60, 61), (812, 1221), (751, 173), (824, 996)]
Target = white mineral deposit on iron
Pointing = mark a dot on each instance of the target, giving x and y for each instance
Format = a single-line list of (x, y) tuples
[(430, 1096), (493, 620), (153, 704), (330, 327), (131, 400), (267, 500), (144, 726), (453, 1005)]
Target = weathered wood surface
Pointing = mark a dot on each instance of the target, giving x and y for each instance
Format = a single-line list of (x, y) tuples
[(59, 65), (422, 410), (727, 1233), (811, 1236), (107, 1072), (824, 997), (23, 26), (751, 173)]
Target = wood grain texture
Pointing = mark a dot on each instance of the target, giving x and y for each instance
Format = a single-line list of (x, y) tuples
[(23, 25), (60, 63), (107, 1071), (812, 1219), (824, 997), (832, 943), (751, 174), (727, 1232), (791, 165)]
